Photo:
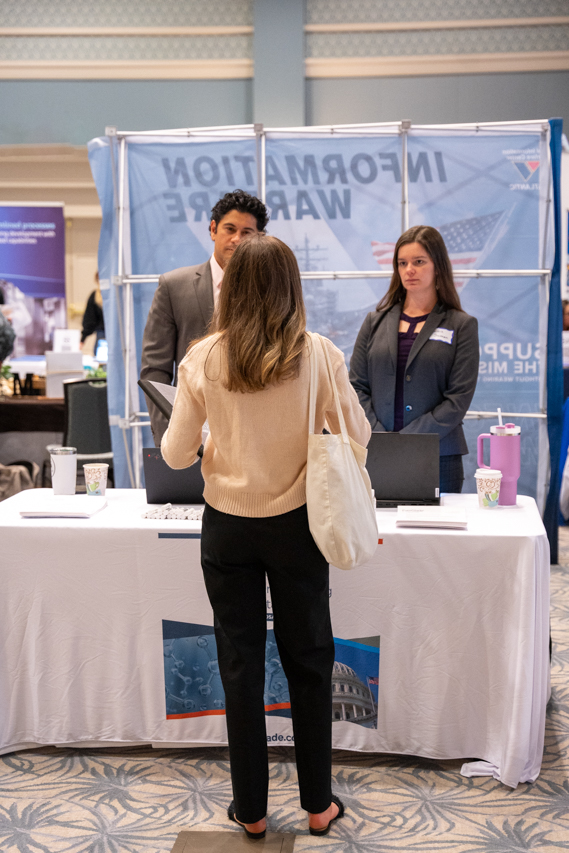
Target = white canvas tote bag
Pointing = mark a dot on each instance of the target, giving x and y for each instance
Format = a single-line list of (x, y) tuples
[(339, 497)]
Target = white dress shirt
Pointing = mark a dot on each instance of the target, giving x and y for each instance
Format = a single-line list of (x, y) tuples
[(216, 277)]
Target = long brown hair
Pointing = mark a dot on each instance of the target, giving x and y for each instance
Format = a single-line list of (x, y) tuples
[(434, 245), (261, 314)]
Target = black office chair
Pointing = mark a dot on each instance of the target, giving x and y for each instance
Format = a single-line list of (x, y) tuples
[(87, 421)]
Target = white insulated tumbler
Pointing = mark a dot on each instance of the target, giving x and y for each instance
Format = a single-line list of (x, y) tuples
[(63, 470)]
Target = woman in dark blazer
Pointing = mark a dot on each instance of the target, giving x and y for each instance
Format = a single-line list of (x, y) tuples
[(415, 360)]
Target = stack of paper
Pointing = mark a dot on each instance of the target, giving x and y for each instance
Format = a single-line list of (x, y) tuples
[(431, 516), (42, 505)]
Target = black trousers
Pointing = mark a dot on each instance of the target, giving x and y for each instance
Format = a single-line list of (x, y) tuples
[(451, 473), (236, 554)]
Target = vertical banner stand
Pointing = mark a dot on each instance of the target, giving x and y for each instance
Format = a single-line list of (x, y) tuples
[(554, 353)]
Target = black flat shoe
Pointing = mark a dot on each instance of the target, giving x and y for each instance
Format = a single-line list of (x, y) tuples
[(254, 836), (340, 814)]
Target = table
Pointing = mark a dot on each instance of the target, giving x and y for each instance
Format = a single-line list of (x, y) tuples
[(28, 425), (24, 368), (30, 365), (106, 638), (32, 414)]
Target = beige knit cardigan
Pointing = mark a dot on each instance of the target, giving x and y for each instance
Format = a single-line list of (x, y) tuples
[(254, 461)]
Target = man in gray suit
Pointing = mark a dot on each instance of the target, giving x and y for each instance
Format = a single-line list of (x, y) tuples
[(185, 298)]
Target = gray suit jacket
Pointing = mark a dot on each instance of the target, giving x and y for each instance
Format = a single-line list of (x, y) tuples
[(440, 378), (180, 312)]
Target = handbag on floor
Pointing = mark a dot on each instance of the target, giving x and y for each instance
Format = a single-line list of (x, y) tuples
[(339, 497), (18, 476)]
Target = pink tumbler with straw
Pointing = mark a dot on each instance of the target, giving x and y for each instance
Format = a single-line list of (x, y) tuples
[(505, 457)]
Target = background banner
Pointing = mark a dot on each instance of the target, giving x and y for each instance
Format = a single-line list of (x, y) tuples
[(32, 273), (173, 187), (337, 202), (168, 190), (341, 199)]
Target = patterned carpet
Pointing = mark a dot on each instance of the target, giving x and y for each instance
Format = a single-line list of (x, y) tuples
[(137, 800)]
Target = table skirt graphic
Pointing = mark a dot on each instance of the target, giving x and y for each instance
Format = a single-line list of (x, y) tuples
[(194, 689)]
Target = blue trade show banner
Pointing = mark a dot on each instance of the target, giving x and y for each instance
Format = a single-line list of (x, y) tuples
[(489, 210), (32, 273), (172, 188), (169, 187), (339, 200)]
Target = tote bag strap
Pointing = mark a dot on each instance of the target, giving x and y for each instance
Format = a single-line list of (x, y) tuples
[(317, 342), (313, 383)]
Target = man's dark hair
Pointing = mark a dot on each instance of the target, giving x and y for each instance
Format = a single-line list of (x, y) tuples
[(244, 203)]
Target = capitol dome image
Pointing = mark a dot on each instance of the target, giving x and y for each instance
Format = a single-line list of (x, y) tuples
[(352, 700)]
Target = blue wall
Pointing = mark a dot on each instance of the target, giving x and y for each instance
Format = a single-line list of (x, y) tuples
[(74, 111), (439, 99), (44, 111), (270, 36)]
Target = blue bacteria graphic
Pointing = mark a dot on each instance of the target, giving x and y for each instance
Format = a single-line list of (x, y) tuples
[(199, 692), (276, 685), (192, 679)]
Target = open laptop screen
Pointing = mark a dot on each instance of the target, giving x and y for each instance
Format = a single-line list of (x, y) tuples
[(404, 468), (166, 485)]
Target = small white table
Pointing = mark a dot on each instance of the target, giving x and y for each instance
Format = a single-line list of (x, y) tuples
[(461, 617), (30, 365)]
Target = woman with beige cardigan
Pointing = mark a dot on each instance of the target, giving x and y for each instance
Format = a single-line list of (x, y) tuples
[(250, 379)]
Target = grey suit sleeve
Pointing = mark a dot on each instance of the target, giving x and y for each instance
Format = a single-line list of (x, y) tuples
[(461, 386), (159, 351), (359, 374)]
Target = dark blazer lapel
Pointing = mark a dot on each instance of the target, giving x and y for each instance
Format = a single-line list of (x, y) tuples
[(434, 320), (203, 285), (391, 322)]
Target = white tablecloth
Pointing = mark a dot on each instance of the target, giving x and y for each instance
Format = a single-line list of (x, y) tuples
[(462, 617), (36, 364)]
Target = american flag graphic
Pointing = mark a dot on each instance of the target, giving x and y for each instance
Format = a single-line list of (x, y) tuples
[(468, 241), (372, 679)]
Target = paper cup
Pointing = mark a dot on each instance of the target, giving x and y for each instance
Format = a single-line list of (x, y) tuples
[(96, 477), (488, 487), (63, 470)]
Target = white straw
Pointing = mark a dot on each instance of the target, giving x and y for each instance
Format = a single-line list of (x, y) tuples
[(500, 417)]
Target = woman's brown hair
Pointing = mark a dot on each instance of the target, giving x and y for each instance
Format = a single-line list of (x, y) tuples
[(261, 314), (434, 245)]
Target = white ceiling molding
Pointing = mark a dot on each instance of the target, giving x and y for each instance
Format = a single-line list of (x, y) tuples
[(416, 66), (175, 69), (231, 69), (390, 26), (402, 26), (127, 31)]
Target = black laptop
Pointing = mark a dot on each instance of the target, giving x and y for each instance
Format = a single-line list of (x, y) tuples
[(404, 468), (165, 485)]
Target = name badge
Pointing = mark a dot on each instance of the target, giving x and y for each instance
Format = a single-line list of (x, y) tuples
[(444, 335)]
